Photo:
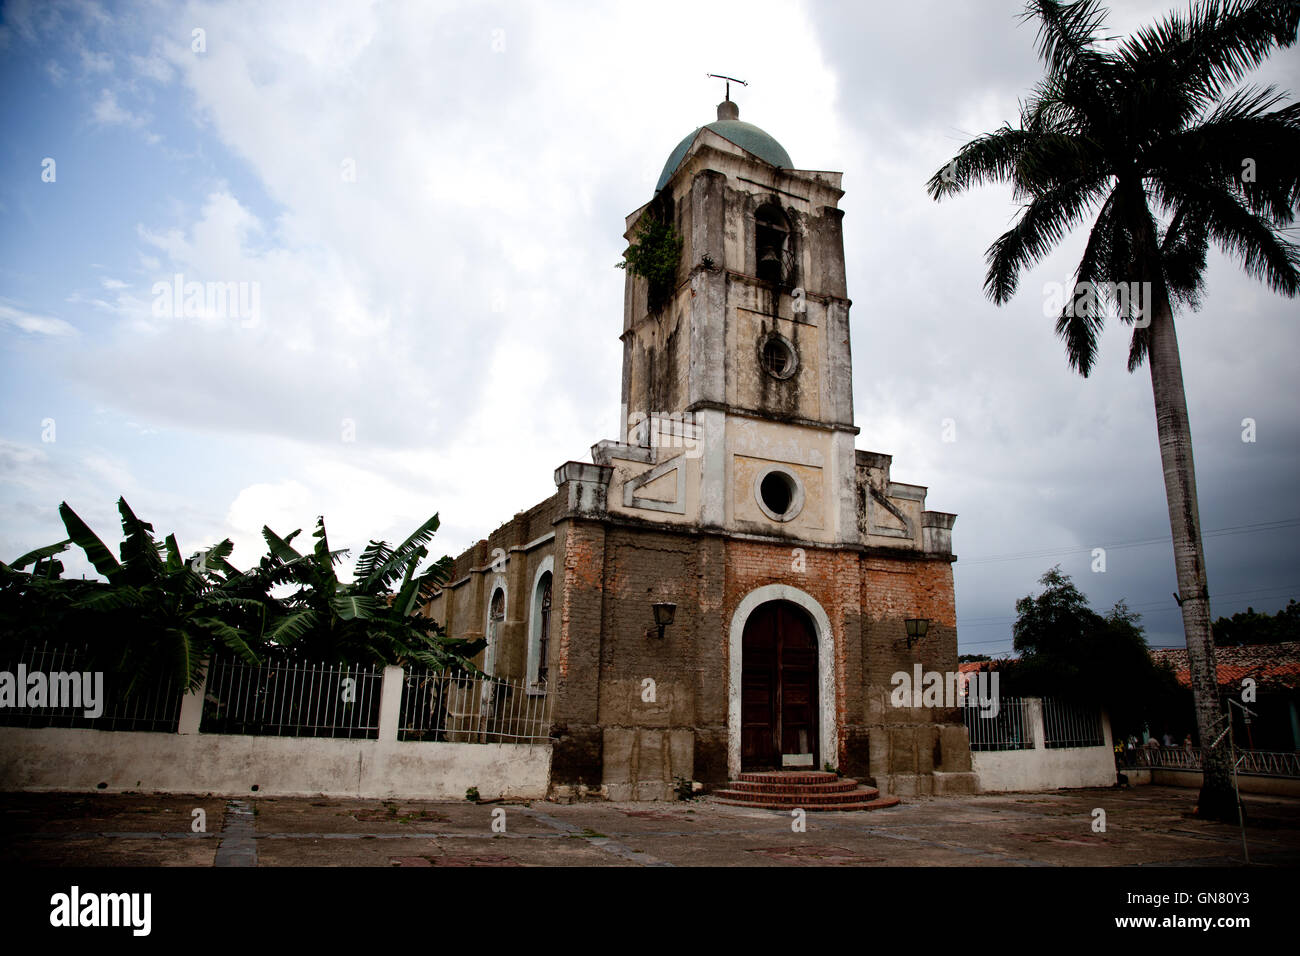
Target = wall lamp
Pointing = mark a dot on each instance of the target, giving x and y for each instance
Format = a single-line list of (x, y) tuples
[(916, 628), (665, 611)]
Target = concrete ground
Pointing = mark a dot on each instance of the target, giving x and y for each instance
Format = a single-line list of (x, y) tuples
[(1143, 826)]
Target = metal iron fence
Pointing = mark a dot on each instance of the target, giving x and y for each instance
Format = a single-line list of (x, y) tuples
[(153, 706), (1008, 729), (1255, 763), (1071, 725), (285, 698), (458, 707)]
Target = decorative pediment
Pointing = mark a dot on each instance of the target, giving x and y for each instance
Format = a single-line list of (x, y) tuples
[(675, 505), (886, 518)]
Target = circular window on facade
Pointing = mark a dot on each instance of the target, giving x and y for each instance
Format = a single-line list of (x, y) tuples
[(778, 357), (779, 493)]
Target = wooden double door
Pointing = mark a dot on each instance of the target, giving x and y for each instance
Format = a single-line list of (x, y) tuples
[(778, 699)]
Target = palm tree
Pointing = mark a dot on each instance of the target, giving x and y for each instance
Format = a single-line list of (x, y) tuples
[(1142, 136)]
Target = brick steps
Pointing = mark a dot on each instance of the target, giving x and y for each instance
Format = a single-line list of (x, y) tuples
[(839, 786), (789, 776), (878, 804), (807, 790)]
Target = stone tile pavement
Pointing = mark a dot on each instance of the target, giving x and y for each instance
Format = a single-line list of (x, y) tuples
[(1145, 826)]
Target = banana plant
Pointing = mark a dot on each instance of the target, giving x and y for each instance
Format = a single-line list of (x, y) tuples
[(373, 618), (157, 615)]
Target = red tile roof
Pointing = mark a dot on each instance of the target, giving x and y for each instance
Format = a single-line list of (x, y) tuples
[(1276, 665)]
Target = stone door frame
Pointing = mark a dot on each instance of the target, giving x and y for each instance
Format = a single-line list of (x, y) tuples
[(829, 735)]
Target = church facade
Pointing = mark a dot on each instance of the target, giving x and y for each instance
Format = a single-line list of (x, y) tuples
[(736, 504)]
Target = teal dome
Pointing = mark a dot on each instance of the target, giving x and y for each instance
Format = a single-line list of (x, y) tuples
[(745, 135)]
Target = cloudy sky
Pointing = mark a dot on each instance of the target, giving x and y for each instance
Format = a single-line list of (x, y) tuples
[(422, 204)]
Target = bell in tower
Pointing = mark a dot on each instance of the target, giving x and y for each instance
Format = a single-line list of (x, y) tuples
[(772, 237)]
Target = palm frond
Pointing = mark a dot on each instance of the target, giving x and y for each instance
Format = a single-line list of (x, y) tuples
[(413, 548), (117, 598), (409, 593), (220, 551), (1183, 253), (1263, 252), (986, 159), (174, 560), (1210, 47), (281, 549), (188, 659), (1066, 31), (229, 637), (220, 599), (140, 551), (355, 606), (1042, 224), (1083, 316), (40, 554), (1242, 149), (371, 558), (292, 627), (96, 552)]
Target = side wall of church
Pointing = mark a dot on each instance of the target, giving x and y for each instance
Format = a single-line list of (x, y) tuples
[(509, 559)]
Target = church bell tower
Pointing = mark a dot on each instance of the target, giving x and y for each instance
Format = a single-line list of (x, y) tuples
[(737, 377)]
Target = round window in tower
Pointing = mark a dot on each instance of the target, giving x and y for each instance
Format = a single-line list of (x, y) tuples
[(779, 493), (778, 357)]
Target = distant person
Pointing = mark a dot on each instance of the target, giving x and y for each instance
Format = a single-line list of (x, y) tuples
[(1169, 740), (1187, 743)]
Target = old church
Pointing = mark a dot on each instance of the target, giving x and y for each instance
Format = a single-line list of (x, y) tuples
[(734, 505)]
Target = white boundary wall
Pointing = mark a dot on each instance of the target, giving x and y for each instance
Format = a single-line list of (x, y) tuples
[(48, 758), (1041, 768)]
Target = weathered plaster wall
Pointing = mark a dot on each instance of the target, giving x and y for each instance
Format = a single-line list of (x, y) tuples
[(80, 760)]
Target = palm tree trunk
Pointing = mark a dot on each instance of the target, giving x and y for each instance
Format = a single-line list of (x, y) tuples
[(1217, 799)]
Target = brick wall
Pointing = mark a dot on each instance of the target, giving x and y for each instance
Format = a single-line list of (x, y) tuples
[(462, 606), (607, 650)]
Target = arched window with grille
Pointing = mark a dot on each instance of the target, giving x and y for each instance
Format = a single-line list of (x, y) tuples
[(544, 631), (539, 628), (495, 623)]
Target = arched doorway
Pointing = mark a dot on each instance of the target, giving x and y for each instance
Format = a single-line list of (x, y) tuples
[(827, 731), (779, 707)]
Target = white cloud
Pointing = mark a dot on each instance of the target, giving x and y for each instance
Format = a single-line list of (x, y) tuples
[(93, 61), (107, 112), (153, 67), (37, 324)]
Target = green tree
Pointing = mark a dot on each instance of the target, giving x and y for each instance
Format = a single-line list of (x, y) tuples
[(1068, 650), (1143, 136), (1251, 627)]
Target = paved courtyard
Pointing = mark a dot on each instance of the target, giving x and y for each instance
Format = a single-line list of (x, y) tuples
[(1143, 826)]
